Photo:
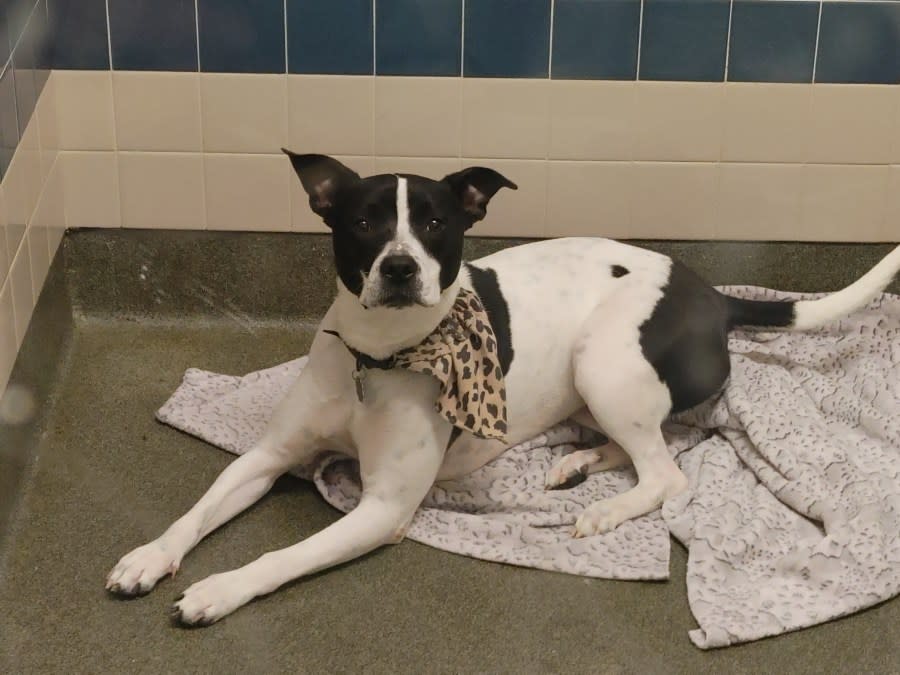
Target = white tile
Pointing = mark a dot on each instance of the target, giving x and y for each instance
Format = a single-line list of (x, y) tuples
[(506, 118), (162, 190), (592, 119), (22, 293), (244, 113), (891, 231), (84, 109), (417, 116), (52, 209), (852, 124), (767, 123), (247, 192), (22, 182), (91, 189), (429, 167), (590, 199), (5, 255), (46, 115), (760, 202), (8, 341), (331, 114), (679, 121), (515, 213), (38, 251), (844, 202), (157, 111), (674, 200)]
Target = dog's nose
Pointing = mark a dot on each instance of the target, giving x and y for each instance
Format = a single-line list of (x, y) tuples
[(398, 268)]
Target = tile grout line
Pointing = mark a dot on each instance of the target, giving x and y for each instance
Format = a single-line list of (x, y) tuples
[(287, 141), (728, 40), (197, 30), (637, 65), (108, 35), (816, 47), (9, 65), (462, 40), (374, 47), (374, 79), (550, 57), (19, 39), (462, 66)]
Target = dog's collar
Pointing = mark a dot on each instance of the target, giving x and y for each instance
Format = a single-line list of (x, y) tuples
[(364, 360), (462, 354)]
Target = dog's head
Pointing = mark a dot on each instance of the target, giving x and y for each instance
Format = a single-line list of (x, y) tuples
[(397, 238)]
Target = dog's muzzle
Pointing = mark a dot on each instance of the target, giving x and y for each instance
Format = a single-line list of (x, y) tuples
[(400, 282)]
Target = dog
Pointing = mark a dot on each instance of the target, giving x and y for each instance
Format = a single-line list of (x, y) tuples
[(610, 335)]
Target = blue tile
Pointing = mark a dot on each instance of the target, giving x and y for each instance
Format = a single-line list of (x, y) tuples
[(9, 130), (772, 41), (859, 42), (507, 38), (17, 13), (153, 34), (79, 34), (684, 40), (331, 37), (29, 80), (418, 37), (242, 36), (23, 78), (596, 39)]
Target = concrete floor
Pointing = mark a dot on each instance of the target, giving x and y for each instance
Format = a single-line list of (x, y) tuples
[(107, 477)]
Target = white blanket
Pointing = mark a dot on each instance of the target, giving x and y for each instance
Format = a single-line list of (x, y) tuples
[(792, 517)]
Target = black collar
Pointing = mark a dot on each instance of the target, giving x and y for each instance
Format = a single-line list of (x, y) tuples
[(364, 360)]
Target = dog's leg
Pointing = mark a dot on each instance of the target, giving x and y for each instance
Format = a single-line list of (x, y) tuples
[(287, 442), (629, 403), (398, 468), (576, 466)]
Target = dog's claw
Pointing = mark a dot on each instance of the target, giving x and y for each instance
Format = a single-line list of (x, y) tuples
[(572, 480)]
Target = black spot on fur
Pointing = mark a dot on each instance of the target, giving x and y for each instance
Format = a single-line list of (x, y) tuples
[(686, 338), (619, 271), (485, 284)]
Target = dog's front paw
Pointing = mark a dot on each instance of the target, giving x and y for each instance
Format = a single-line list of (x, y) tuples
[(568, 472), (137, 572), (599, 518), (209, 600)]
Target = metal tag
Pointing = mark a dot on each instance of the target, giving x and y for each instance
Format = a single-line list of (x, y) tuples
[(359, 378)]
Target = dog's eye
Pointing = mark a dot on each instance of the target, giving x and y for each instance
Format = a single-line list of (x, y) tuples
[(434, 225), (362, 225)]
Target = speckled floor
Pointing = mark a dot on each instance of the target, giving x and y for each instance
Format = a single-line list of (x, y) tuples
[(101, 476)]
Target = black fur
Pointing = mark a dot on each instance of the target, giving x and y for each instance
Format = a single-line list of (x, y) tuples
[(484, 281), (619, 271), (759, 313), (686, 338)]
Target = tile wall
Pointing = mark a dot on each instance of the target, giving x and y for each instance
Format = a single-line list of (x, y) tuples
[(701, 119), (31, 207)]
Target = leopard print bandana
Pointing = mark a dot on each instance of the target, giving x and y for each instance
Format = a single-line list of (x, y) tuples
[(462, 353)]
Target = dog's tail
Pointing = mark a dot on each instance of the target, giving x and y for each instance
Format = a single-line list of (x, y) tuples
[(805, 314)]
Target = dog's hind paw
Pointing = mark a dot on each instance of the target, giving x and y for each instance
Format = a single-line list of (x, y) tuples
[(575, 467), (138, 572)]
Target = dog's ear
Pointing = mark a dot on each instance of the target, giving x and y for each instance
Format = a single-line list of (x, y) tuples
[(322, 178), (474, 188)]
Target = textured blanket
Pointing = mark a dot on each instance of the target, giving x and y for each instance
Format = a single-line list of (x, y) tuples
[(793, 513)]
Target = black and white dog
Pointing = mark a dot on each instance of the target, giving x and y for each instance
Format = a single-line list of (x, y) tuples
[(611, 335)]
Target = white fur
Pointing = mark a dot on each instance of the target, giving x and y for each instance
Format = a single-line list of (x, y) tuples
[(575, 334), (814, 313)]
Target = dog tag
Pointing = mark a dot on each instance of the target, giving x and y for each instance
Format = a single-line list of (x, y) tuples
[(359, 378)]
